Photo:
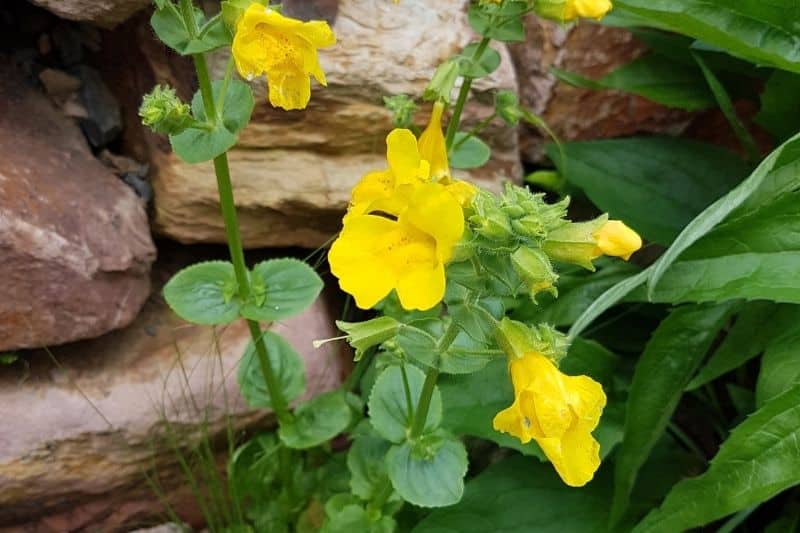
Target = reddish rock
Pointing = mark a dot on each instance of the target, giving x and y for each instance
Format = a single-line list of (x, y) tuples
[(573, 113), (74, 240), (77, 437), (104, 13)]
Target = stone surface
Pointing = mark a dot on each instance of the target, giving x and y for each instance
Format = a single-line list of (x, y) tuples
[(74, 240), (76, 438), (574, 113), (293, 171), (104, 13)]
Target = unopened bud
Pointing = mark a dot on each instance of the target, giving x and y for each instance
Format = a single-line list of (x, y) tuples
[(535, 270), (441, 85), (163, 112)]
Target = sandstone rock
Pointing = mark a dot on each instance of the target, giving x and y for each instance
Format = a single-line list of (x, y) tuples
[(77, 438), (293, 171), (104, 13), (74, 240), (573, 113)]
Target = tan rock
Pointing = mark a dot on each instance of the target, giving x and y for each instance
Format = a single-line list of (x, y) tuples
[(104, 13), (77, 437), (74, 240), (293, 171), (573, 113)]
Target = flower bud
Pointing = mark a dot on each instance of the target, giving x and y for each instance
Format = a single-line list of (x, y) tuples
[(506, 103), (618, 240), (402, 108), (568, 10), (529, 226), (494, 226), (163, 112), (574, 242), (441, 85), (535, 270)]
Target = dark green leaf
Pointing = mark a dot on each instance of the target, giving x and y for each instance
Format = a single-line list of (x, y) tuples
[(469, 152), (668, 362), (169, 26), (657, 185), (254, 466), (779, 113), (195, 145), (286, 364), (519, 494), (428, 472), (762, 32), (757, 461), (367, 465), (780, 366), (388, 404), (204, 293), (281, 288), (317, 421), (471, 67)]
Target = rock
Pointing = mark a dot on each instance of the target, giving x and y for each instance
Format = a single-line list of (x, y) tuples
[(163, 528), (75, 242), (103, 122), (79, 436), (293, 171), (573, 113), (104, 13)]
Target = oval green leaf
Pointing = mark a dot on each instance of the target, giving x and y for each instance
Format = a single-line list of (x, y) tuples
[(316, 421), (286, 364), (281, 288), (469, 152), (204, 293), (390, 408)]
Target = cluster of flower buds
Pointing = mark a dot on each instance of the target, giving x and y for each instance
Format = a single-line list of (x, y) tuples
[(163, 112)]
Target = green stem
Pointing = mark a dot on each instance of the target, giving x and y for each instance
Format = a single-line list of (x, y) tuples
[(407, 390), (279, 404), (463, 94), (476, 130)]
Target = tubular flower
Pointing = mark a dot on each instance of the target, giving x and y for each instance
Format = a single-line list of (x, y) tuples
[(432, 145), (375, 254), (559, 412), (616, 239), (282, 48)]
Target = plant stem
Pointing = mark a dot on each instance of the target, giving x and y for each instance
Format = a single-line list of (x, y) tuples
[(476, 130), (279, 404), (407, 390), (463, 94)]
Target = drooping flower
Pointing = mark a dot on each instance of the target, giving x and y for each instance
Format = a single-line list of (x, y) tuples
[(616, 239), (375, 253), (559, 412), (282, 48)]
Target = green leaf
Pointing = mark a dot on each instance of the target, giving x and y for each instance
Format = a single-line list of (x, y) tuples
[(655, 77), (757, 461), (254, 466), (367, 465), (317, 421), (344, 515), (204, 293), (469, 152), (388, 404), (168, 24), (518, 494), (286, 364), (577, 290), (745, 340), (195, 145), (755, 256), (475, 319), (428, 472), (364, 335), (670, 359), (657, 185), (471, 67), (766, 175), (778, 114), (780, 366), (762, 32), (282, 288), (501, 24)]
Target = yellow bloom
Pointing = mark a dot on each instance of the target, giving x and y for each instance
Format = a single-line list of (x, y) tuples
[(375, 254), (432, 145), (283, 48), (593, 9), (559, 412), (616, 239)]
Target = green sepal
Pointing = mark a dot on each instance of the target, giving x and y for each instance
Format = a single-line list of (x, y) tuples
[(281, 288), (204, 293), (388, 405), (232, 10), (169, 26), (517, 339), (429, 471), (316, 421), (286, 364), (214, 137), (364, 335), (535, 270), (574, 242)]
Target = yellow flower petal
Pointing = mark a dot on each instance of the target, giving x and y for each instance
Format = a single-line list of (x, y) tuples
[(289, 90), (403, 156), (616, 239), (595, 9), (462, 191), (576, 456), (436, 212), (510, 421), (421, 288), (432, 145)]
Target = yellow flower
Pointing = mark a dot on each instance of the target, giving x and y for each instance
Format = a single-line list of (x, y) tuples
[(616, 239), (432, 145), (593, 9), (559, 412), (376, 254), (283, 48)]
